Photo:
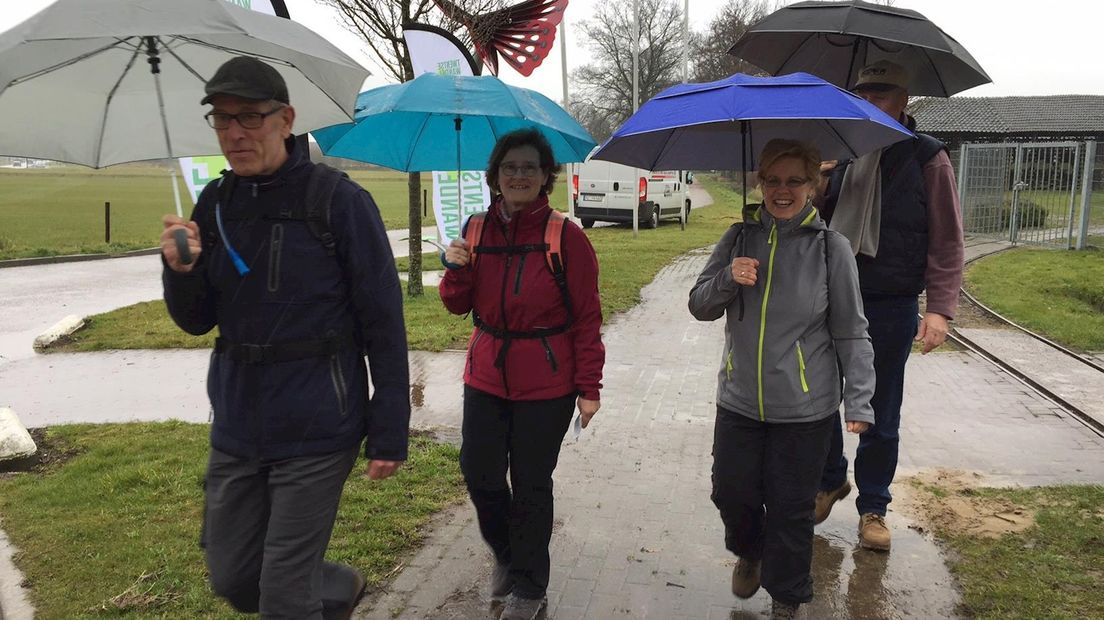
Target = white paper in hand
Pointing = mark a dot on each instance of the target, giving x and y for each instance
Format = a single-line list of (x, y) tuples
[(577, 427)]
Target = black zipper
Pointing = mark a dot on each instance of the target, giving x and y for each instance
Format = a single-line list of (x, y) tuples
[(548, 355), (520, 270), (276, 244)]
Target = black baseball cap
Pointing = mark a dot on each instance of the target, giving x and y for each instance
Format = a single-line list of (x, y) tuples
[(248, 78)]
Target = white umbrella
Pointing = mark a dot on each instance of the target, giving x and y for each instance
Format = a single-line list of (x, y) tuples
[(101, 82)]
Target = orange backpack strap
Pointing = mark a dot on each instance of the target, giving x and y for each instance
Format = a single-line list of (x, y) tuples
[(473, 232), (553, 238)]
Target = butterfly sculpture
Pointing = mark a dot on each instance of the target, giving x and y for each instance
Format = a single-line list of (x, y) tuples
[(522, 34)]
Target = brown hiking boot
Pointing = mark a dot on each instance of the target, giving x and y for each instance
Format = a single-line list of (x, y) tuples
[(745, 578), (825, 500), (783, 611), (873, 533)]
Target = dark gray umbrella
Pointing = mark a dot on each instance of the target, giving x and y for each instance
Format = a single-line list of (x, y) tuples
[(834, 40)]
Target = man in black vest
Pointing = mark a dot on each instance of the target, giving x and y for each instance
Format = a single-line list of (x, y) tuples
[(899, 208), (297, 313)]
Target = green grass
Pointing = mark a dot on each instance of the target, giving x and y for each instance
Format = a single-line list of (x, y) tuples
[(626, 265), (60, 210), (57, 211), (124, 514), (1055, 569), (1058, 293)]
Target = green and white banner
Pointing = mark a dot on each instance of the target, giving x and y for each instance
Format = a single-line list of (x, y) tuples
[(454, 202)]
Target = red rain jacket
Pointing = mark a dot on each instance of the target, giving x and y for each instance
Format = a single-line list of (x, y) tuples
[(517, 292)]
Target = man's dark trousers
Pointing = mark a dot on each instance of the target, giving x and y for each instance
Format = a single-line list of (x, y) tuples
[(893, 324), (759, 465), (515, 520), (266, 529)]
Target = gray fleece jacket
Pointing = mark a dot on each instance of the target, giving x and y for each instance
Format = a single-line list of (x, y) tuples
[(802, 324)]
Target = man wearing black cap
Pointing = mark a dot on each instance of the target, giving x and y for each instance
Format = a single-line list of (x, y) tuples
[(302, 285), (899, 209)]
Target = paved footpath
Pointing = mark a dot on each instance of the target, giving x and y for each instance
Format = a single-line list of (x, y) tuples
[(636, 534)]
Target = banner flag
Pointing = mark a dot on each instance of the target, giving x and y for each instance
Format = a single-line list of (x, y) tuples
[(435, 50)]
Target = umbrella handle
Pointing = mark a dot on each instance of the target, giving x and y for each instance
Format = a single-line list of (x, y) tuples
[(180, 236)]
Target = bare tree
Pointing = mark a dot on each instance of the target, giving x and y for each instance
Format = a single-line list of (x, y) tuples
[(604, 87), (711, 60), (379, 24)]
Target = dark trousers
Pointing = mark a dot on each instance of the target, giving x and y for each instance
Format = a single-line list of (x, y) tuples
[(893, 324), (515, 520), (765, 480), (266, 528)]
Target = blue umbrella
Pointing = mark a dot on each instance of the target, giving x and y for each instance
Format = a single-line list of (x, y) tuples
[(723, 125), (449, 122)]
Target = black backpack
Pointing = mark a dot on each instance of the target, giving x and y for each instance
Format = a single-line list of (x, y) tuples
[(314, 210)]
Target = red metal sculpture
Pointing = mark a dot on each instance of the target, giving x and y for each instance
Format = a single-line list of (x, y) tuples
[(522, 33)]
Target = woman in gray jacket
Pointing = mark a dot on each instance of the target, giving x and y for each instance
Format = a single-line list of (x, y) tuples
[(794, 323)]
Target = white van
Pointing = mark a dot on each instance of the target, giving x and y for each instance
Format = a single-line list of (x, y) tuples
[(607, 192)]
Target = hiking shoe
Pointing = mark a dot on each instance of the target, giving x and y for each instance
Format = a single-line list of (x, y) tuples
[(873, 533), (825, 500), (518, 608), (783, 611), (745, 578), (501, 582)]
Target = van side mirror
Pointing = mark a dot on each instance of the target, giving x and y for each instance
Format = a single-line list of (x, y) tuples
[(689, 178)]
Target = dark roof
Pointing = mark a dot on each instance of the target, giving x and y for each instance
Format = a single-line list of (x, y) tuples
[(1051, 115)]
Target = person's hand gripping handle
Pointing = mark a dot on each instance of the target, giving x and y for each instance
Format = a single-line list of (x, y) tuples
[(180, 243)]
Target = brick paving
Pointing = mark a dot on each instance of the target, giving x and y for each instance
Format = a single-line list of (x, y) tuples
[(636, 534)]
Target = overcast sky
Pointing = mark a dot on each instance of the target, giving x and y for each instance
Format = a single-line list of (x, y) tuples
[(1037, 48)]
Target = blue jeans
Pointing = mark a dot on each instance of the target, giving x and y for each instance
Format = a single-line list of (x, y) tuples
[(893, 325)]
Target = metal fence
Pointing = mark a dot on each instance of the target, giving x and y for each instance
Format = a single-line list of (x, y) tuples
[(1032, 193)]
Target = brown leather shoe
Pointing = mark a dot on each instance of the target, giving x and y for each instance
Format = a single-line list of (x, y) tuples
[(873, 533), (745, 578), (825, 500)]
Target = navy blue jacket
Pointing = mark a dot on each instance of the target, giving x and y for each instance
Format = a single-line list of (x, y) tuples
[(296, 292)]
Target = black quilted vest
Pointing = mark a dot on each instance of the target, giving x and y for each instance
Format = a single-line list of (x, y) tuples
[(902, 258)]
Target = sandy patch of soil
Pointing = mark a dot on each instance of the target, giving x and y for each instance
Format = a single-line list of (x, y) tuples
[(946, 501)]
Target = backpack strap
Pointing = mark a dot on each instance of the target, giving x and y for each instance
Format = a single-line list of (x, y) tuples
[(473, 233), (320, 189)]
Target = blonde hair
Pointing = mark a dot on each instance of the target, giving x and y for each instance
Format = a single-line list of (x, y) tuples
[(778, 149)]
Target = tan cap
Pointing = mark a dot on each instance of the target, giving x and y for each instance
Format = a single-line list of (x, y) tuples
[(882, 75)]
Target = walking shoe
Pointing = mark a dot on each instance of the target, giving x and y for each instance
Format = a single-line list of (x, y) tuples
[(825, 500), (745, 578), (518, 608), (873, 533), (501, 582), (783, 611)]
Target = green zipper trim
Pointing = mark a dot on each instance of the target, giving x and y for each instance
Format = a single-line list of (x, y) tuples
[(772, 241), (801, 369), (728, 365)]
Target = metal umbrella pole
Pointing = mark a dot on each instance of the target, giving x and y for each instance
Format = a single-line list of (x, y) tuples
[(180, 236)]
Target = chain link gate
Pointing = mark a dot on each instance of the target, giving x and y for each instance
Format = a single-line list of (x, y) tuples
[(1022, 193)]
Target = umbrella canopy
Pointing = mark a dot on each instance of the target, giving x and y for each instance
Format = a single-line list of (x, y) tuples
[(834, 40), (723, 125), (101, 82), (449, 122)]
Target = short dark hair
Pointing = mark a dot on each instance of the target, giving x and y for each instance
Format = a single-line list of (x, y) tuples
[(523, 137)]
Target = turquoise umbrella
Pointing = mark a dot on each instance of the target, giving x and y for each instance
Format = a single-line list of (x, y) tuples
[(449, 122)]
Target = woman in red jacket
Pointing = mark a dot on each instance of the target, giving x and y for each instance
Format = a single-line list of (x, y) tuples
[(530, 280)]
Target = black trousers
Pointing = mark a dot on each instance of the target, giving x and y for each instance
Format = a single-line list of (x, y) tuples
[(765, 480), (515, 519), (266, 528)]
